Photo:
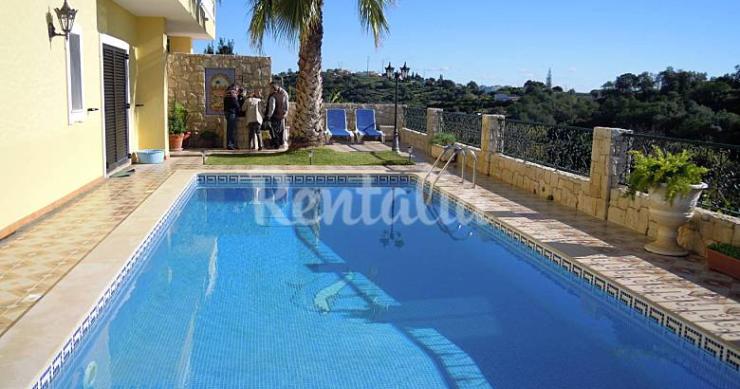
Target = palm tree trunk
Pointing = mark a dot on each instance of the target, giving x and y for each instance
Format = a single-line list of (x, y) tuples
[(308, 88)]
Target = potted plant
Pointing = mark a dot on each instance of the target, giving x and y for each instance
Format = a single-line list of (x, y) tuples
[(177, 122), (441, 140), (724, 258), (208, 139), (673, 184)]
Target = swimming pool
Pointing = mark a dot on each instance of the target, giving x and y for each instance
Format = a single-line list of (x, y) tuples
[(332, 283)]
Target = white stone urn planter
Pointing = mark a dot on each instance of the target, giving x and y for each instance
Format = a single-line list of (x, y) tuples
[(669, 216)]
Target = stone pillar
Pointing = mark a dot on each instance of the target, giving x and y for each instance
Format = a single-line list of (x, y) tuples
[(491, 128), (608, 159), (434, 117)]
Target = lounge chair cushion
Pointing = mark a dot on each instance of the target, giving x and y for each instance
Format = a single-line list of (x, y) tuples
[(366, 124), (336, 123)]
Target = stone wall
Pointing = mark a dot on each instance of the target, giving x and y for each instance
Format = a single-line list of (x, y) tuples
[(186, 84), (705, 226), (564, 188), (418, 140), (598, 195)]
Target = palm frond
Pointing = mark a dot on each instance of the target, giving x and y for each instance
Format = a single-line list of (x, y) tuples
[(284, 19), (372, 17)]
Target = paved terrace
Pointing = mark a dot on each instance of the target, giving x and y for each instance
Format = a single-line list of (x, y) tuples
[(34, 259)]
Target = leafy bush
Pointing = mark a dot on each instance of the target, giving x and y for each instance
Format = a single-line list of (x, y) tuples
[(675, 171), (726, 249), (208, 135), (178, 119), (443, 139)]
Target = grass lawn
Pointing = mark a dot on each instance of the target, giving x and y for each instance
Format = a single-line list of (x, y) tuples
[(321, 156)]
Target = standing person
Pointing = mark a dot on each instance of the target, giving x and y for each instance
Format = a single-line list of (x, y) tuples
[(277, 111), (254, 119), (231, 111)]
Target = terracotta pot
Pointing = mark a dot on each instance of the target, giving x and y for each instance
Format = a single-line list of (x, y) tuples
[(723, 263), (176, 142), (669, 216)]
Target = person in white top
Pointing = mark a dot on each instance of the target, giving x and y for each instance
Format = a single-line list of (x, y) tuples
[(254, 119)]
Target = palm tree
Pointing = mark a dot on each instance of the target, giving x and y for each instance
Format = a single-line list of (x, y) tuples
[(302, 21)]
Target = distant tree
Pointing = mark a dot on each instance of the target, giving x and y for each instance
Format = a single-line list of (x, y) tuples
[(548, 82), (673, 102), (224, 47)]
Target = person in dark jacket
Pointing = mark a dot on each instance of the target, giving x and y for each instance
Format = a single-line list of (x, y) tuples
[(231, 111), (277, 111)]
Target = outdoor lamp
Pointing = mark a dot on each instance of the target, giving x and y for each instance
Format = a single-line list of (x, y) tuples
[(404, 71), (66, 16), (389, 71), (400, 75)]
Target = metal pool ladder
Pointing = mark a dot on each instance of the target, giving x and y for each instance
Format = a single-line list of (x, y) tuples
[(452, 150)]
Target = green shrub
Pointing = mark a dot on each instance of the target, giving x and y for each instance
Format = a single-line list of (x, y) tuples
[(443, 139), (675, 171), (726, 249), (208, 135), (178, 119)]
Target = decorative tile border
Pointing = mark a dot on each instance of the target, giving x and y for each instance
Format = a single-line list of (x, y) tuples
[(296, 179), (699, 339), (143, 251), (706, 362), (59, 362)]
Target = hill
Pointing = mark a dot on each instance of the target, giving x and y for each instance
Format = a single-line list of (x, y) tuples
[(675, 103)]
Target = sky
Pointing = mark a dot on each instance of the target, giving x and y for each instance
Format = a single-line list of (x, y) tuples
[(497, 42)]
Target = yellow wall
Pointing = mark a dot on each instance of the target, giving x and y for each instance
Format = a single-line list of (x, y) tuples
[(43, 157), (151, 89), (117, 22), (181, 44), (147, 66)]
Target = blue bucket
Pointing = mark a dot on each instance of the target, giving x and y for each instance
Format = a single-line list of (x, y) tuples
[(150, 156)]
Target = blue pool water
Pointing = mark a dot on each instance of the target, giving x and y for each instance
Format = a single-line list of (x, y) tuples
[(238, 296)]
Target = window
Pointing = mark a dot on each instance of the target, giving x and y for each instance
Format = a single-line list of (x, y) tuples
[(75, 97)]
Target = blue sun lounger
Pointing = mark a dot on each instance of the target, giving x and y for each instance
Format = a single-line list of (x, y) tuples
[(366, 126), (336, 125)]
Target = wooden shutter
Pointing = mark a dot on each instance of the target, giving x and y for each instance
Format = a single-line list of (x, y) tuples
[(115, 80)]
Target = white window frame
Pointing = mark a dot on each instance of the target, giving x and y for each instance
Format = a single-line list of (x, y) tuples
[(79, 115)]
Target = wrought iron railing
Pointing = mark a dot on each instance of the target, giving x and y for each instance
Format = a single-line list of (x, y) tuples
[(415, 119), (562, 147), (466, 127), (722, 160)]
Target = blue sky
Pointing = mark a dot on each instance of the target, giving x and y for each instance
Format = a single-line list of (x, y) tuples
[(585, 42)]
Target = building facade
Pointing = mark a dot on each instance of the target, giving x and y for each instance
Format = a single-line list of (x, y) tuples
[(72, 110)]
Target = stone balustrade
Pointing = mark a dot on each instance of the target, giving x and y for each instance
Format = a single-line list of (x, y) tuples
[(599, 195)]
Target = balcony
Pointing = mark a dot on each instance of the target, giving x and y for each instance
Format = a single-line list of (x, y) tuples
[(191, 18)]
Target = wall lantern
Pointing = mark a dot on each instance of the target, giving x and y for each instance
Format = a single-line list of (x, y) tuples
[(66, 16)]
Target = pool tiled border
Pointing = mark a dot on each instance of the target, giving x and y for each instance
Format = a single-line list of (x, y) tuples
[(703, 340), (154, 236), (142, 252), (683, 329)]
